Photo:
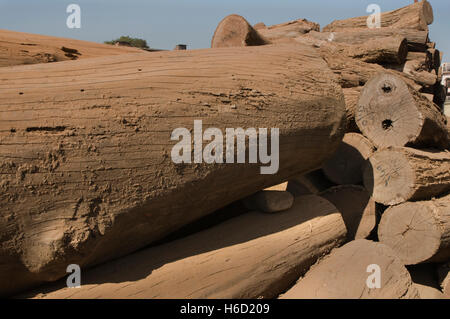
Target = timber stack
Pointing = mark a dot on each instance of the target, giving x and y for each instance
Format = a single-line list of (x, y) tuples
[(358, 208)]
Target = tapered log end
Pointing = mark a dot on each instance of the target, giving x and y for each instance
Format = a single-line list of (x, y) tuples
[(428, 12), (387, 112), (235, 31), (411, 231), (389, 177)]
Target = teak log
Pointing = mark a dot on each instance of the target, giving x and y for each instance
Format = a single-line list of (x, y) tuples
[(85, 147), (351, 96), (397, 175), (416, 16), (391, 113), (418, 232), (251, 256), (235, 31), (357, 208), (291, 29), (345, 274), (346, 166)]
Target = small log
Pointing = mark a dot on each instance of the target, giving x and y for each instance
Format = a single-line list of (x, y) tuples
[(269, 201), (418, 232), (425, 281), (351, 96), (444, 278), (291, 29), (357, 208), (345, 274), (313, 182), (235, 31), (391, 113), (416, 40), (251, 256), (347, 164), (85, 160), (416, 16), (396, 175)]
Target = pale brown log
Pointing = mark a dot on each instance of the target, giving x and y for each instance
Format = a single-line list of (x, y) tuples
[(396, 175), (85, 155), (416, 16), (416, 40), (357, 208), (444, 278), (351, 96), (251, 256), (291, 29), (391, 113), (235, 31), (425, 281), (418, 232), (343, 275), (346, 166), (18, 48)]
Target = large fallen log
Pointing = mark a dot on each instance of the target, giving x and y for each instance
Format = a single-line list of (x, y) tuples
[(346, 166), (391, 113), (416, 16), (357, 208), (416, 40), (291, 29), (347, 272), (251, 256), (418, 232), (397, 175), (86, 165), (17, 48), (235, 31)]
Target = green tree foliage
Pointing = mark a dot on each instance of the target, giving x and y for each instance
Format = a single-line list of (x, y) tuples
[(134, 42)]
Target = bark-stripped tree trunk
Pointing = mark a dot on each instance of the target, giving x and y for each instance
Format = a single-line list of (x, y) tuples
[(351, 96), (396, 175), (346, 272), (235, 31), (391, 113), (291, 29), (357, 208), (418, 232), (251, 256), (416, 16), (85, 147), (347, 164)]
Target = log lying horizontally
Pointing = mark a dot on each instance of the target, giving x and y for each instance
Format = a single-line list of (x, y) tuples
[(85, 155), (235, 31), (291, 29), (396, 175), (418, 231), (391, 113), (345, 274), (347, 164), (251, 256), (357, 208), (416, 16)]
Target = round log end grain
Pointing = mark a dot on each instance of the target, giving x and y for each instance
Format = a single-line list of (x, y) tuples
[(344, 274), (357, 208), (346, 165), (412, 231), (235, 31)]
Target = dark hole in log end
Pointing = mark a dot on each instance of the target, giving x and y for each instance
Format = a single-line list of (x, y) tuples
[(386, 124), (387, 88)]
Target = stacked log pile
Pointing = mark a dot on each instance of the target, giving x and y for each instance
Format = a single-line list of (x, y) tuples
[(364, 156)]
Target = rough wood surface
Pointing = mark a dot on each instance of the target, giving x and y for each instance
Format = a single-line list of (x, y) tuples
[(416, 16), (351, 96), (357, 208), (18, 48), (291, 29), (346, 166), (235, 31), (391, 113), (397, 175), (85, 159), (343, 275), (418, 232), (251, 256), (416, 40)]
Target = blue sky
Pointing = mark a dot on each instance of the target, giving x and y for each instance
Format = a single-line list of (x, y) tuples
[(165, 23)]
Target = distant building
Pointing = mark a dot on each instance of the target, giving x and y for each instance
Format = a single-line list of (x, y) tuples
[(180, 47)]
